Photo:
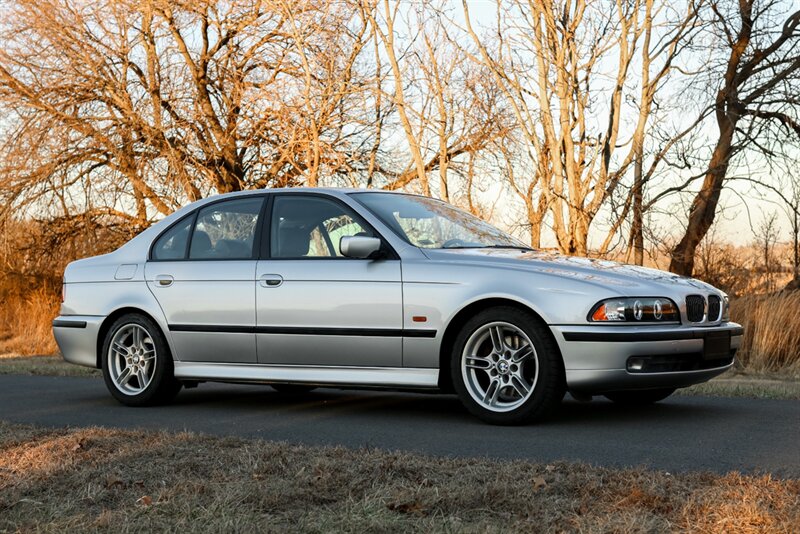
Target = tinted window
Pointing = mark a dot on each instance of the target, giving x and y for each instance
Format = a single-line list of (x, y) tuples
[(226, 230), (307, 227), (172, 244)]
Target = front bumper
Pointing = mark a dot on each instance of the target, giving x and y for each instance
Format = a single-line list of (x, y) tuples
[(76, 336), (598, 358)]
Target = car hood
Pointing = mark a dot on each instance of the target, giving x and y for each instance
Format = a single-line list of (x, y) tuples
[(600, 272)]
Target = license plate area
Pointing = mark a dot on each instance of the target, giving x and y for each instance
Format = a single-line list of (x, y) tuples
[(717, 345)]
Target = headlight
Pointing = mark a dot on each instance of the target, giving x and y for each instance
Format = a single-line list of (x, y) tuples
[(726, 309), (635, 310)]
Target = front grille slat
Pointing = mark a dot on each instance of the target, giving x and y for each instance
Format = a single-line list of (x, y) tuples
[(695, 308), (714, 307)]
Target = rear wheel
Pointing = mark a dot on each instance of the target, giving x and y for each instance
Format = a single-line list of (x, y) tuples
[(137, 364), (643, 396), (506, 368), (293, 389)]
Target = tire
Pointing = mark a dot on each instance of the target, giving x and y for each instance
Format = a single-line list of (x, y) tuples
[(513, 350), (642, 396), (139, 344), (292, 389)]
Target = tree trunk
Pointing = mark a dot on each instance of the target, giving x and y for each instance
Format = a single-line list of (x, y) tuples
[(704, 206), (637, 225), (796, 243)]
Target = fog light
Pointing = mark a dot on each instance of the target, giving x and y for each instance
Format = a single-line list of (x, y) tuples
[(635, 364)]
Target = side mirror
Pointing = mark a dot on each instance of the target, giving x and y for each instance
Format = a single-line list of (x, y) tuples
[(358, 246)]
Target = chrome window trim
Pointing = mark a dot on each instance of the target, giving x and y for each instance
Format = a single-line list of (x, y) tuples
[(266, 253), (193, 215)]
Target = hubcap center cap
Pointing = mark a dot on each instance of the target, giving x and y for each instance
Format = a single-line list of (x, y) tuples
[(502, 367)]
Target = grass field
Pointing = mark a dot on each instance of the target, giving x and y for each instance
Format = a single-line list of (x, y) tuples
[(14, 364), (88, 479)]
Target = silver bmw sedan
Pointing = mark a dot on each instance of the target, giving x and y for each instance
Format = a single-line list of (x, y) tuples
[(299, 288)]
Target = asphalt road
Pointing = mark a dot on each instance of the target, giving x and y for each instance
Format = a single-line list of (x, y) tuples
[(679, 434)]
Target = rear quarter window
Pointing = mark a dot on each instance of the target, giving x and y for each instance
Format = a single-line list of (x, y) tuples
[(172, 243)]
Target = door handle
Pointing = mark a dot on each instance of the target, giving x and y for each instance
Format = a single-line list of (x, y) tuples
[(164, 280), (270, 280)]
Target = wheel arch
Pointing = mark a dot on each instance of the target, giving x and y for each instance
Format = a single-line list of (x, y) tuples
[(462, 316), (105, 326)]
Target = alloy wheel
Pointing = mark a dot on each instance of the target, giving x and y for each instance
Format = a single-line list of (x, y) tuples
[(500, 366), (132, 359)]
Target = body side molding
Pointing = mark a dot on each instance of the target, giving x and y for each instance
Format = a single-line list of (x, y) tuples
[(308, 331), (361, 376)]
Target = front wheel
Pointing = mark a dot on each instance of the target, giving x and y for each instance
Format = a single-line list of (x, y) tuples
[(643, 396), (137, 364), (506, 367)]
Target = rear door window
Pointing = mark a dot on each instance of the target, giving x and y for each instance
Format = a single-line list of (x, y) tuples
[(226, 230)]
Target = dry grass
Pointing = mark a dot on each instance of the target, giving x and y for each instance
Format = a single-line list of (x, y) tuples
[(772, 332), (89, 479), (26, 320), (12, 364), (745, 386)]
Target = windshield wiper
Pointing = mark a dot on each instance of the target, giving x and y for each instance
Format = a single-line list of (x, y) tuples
[(461, 247), (515, 247)]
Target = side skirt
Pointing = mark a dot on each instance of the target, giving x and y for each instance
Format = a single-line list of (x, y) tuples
[(352, 376)]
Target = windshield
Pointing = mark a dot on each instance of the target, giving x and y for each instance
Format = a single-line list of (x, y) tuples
[(429, 223)]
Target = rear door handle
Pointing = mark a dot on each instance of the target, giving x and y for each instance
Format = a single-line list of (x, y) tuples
[(270, 280), (164, 280)]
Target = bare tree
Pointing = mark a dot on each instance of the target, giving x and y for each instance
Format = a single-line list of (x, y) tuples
[(758, 89), (446, 109), (766, 235), (549, 60), (783, 182), (125, 109)]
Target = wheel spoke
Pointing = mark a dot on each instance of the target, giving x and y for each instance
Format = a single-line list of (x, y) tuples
[(125, 376), (119, 348), (520, 386), (498, 344), (492, 392), (522, 354), (478, 362), (137, 337), (144, 375)]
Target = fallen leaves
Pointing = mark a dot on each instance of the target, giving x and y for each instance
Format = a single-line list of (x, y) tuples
[(539, 483)]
